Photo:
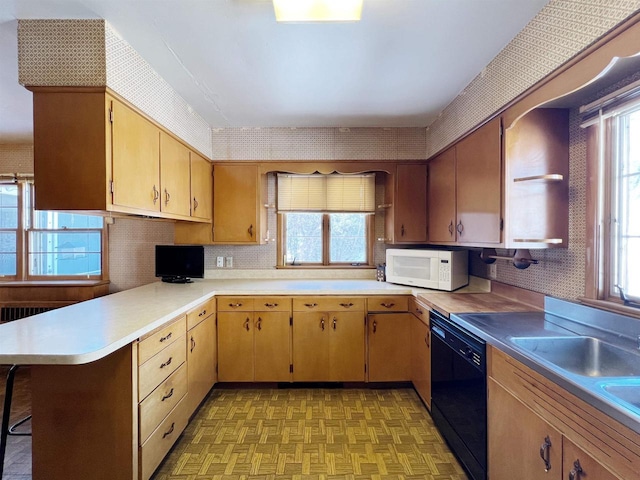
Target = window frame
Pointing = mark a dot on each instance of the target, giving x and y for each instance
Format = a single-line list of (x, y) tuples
[(326, 239), (26, 211)]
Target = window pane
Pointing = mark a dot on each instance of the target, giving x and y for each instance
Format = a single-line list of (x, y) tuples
[(303, 238), (8, 195), (348, 232), (8, 262), (65, 253), (44, 219)]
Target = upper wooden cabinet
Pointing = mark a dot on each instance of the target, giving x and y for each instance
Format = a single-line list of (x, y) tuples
[(537, 180), (406, 205), (239, 212), (201, 187), (442, 198), (94, 152), (479, 186)]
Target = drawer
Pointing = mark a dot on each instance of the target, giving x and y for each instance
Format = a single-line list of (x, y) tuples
[(419, 309), (161, 401), (396, 303), (202, 311), (235, 304), (272, 304), (328, 304), (161, 338), (162, 439), (155, 370)]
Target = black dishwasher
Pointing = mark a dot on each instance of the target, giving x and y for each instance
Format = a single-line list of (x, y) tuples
[(459, 392)]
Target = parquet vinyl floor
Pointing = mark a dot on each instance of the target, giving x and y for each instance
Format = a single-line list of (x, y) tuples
[(311, 434)]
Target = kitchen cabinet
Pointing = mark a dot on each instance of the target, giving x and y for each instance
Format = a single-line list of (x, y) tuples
[(537, 180), (578, 465), (328, 339), (479, 186), (405, 204), (94, 152), (239, 212), (201, 353), (254, 344), (420, 350), (201, 187), (517, 452), (388, 337), (442, 198)]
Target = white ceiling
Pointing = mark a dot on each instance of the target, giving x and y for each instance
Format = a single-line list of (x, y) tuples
[(398, 67)]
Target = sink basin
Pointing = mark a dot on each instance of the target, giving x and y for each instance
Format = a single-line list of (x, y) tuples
[(627, 393), (584, 356)]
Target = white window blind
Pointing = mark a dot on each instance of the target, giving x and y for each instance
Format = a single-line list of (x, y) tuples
[(326, 193)]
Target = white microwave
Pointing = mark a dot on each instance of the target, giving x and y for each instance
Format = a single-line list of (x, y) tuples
[(437, 269)]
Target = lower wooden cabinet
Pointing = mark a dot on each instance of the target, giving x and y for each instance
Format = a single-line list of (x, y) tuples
[(578, 465), (389, 335), (201, 361), (235, 346), (328, 346), (421, 359)]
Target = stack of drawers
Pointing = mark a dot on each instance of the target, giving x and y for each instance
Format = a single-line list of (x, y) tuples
[(162, 386)]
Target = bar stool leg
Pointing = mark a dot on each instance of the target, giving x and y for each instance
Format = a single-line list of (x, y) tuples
[(6, 412)]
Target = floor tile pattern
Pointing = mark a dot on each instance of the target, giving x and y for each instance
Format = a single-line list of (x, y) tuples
[(295, 433)]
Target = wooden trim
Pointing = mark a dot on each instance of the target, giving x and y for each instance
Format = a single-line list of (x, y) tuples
[(611, 306), (327, 167), (326, 239), (593, 252)]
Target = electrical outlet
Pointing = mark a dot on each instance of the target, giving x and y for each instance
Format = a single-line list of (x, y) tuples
[(220, 262), (493, 271)]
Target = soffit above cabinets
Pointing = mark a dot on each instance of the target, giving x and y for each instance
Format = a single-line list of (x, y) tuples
[(229, 59)]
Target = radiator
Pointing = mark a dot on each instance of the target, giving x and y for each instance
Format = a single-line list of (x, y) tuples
[(8, 314)]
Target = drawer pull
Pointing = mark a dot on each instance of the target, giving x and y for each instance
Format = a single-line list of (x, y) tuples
[(168, 395), (576, 472), (346, 305), (202, 313), (311, 305), (387, 305), (193, 344), (545, 453), (419, 312), (270, 305), (167, 363), (375, 326), (235, 305), (246, 324), (259, 325), (170, 431), (167, 337)]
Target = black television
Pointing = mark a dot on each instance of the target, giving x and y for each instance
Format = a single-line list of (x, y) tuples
[(179, 263)]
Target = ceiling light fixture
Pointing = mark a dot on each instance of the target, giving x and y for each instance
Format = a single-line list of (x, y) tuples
[(318, 10)]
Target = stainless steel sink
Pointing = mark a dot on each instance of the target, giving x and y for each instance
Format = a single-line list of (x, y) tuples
[(584, 356), (627, 393)]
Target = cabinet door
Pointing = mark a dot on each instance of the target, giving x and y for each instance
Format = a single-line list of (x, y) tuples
[(310, 347), (235, 204), (517, 438), (410, 210), (201, 359), (346, 347), (478, 190), (442, 198), (201, 187), (175, 181), (577, 465), (389, 357), (135, 160), (272, 346), (421, 359), (235, 346)]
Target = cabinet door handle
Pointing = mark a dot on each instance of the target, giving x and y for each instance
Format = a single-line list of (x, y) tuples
[(250, 230), (451, 228), (202, 313), (270, 305), (193, 344), (426, 339), (246, 324), (576, 472), (310, 305), (167, 197), (460, 227), (168, 395), (335, 320), (387, 305), (259, 325), (545, 453), (195, 204), (170, 431), (418, 311), (235, 305), (167, 363), (402, 230), (346, 305), (166, 337), (375, 326), (322, 323), (156, 194)]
